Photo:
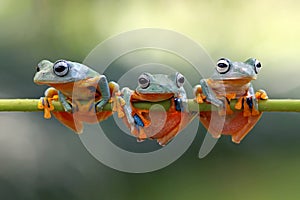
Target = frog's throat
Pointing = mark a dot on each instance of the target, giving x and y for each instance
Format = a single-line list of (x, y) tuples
[(152, 97), (234, 81)]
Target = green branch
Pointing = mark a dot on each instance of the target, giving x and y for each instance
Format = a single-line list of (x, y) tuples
[(271, 105)]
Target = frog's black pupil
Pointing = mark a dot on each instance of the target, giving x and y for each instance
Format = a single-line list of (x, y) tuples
[(258, 65), (181, 80), (143, 81), (60, 68), (222, 65)]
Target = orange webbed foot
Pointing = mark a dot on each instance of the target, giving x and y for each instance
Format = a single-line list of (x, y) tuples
[(199, 96), (239, 103), (117, 101), (261, 94), (117, 105), (46, 102)]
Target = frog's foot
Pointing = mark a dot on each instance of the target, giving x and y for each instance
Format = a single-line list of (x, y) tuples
[(229, 97), (225, 110), (68, 107), (100, 104), (168, 137), (141, 135), (138, 130), (117, 105), (261, 94), (46, 102), (199, 96), (239, 103), (251, 107), (247, 107), (117, 102), (141, 116), (179, 104)]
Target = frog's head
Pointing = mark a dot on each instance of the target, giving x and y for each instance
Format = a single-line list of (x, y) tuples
[(61, 71), (160, 83), (227, 70)]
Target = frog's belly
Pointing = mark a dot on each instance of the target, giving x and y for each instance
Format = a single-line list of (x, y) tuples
[(235, 124), (91, 117), (223, 89), (165, 125)]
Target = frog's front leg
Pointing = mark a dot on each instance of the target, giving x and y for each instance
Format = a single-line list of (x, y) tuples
[(210, 95), (116, 99), (223, 103), (66, 105), (199, 96), (180, 102), (46, 102), (135, 122), (252, 102), (105, 93), (50, 95), (126, 94), (260, 94)]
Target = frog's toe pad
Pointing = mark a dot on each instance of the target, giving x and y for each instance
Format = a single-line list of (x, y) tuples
[(216, 136), (261, 94), (235, 140)]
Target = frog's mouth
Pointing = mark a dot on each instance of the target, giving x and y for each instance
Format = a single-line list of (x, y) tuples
[(152, 97), (239, 81)]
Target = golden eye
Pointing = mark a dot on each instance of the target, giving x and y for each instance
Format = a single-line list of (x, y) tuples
[(223, 65), (179, 79), (144, 81), (61, 68)]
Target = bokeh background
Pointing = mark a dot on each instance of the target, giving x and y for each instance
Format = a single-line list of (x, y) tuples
[(40, 159)]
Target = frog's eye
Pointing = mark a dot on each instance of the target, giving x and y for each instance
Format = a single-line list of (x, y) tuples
[(257, 66), (223, 65), (179, 80), (144, 81), (61, 68)]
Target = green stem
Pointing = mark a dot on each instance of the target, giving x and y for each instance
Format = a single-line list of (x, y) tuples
[(271, 105)]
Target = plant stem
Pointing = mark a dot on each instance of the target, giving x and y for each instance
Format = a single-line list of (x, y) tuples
[(271, 105)]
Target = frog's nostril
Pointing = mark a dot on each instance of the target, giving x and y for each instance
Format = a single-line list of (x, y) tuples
[(37, 69)]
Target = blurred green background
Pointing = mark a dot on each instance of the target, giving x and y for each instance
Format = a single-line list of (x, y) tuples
[(40, 159)]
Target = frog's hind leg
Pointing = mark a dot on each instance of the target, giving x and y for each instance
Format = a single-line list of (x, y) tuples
[(67, 119), (103, 115), (240, 134), (168, 137)]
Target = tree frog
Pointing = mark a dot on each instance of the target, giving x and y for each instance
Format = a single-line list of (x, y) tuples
[(82, 91), (160, 125), (231, 80)]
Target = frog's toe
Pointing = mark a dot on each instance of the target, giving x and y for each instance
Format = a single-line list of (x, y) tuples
[(98, 107), (215, 134), (117, 106), (69, 108), (46, 104), (239, 103), (142, 135), (261, 94), (255, 112), (235, 139), (247, 111), (199, 96)]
